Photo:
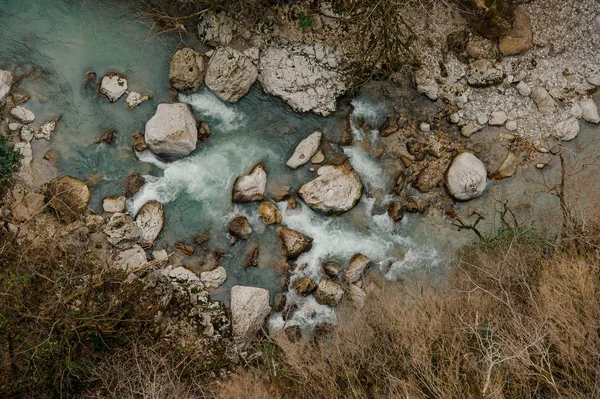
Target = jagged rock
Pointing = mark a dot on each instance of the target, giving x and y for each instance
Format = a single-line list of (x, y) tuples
[(130, 259), (27, 133), (252, 186), (329, 292), (186, 71), (544, 100), (336, 190), (122, 231), (215, 29), (524, 89), (22, 114), (150, 220), (308, 78), (357, 268), (52, 155), (395, 211), (249, 308), (466, 177), (481, 48), (230, 74), (214, 278), (114, 204), (566, 130), (203, 131), (520, 38), (132, 184), (269, 213), (589, 111), (5, 84), (294, 242), (107, 137), (483, 73), (68, 196), (426, 84), (304, 286), (183, 275), (507, 169), (470, 128), (139, 144), (498, 118), (305, 150), (239, 228), (46, 129), (134, 99), (251, 257), (172, 132), (113, 86)]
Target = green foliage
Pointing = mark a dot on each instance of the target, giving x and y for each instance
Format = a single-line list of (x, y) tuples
[(305, 21), (9, 161)]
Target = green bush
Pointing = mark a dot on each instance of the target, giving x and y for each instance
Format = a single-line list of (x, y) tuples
[(9, 160), (305, 21)]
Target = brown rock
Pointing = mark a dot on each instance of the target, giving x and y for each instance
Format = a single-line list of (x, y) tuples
[(304, 286), (520, 38), (132, 184), (414, 205), (90, 78), (186, 249), (139, 143), (293, 333), (269, 213), (279, 303), (390, 126), (107, 137), (294, 242), (346, 134), (239, 228), (329, 292), (395, 211), (281, 266), (332, 269), (68, 196), (429, 178), (251, 258), (399, 185), (281, 192), (201, 238), (203, 131), (52, 155)]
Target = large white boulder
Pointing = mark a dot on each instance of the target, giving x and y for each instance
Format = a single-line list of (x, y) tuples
[(589, 111), (186, 70), (305, 150), (214, 278), (22, 114), (249, 308), (113, 86), (5, 84), (466, 177), (336, 190), (230, 74), (308, 78), (150, 220), (172, 132), (251, 187)]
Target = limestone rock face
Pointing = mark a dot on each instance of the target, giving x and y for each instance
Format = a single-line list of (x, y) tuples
[(171, 132), (357, 268), (113, 86), (68, 197), (251, 187), (186, 71), (305, 150), (150, 220), (336, 190), (308, 78), (230, 74), (122, 231), (466, 177), (329, 292), (215, 29), (294, 242), (520, 38), (5, 84), (249, 308)]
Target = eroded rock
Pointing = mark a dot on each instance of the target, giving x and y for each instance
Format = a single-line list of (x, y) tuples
[(294, 242), (249, 308), (239, 228), (113, 86), (150, 220), (358, 266), (186, 70), (269, 213), (122, 231), (466, 177), (230, 74), (329, 292), (68, 196), (305, 150)]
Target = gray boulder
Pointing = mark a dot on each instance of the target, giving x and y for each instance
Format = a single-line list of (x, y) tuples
[(230, 74), (466, 177), (186, 70), (172, 132), (122, 231), (150, 220), (251, 187), (249, 308)]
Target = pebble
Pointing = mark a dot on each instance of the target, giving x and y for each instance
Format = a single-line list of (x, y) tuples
[(470, 128), (524, 89), (425, 127), (454, 118), (540, 165), (14, 126), (498, 118), (511, 126), (482, 119)]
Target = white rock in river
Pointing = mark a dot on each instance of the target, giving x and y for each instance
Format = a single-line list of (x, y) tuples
[(27, 133), (113, 86), (252, 186), (46, 129), (589, 111), (172, 131), (186, 70), (308, 78), (182, 275), (134, 99), (5, 84), (249, 308), (305, 150), (114, 204), (336, 190), (121, 231), (466, 177), (230, 74), (22, 114), (566, 130), (150, 219), (214, 278)]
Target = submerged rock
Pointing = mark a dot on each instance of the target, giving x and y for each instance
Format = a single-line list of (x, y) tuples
[(114, 204), (171, 132), (336, 190), (251, 257), (22, 114), (332, 269), (239, 228), (150, 220), (507, 169), (294, 242), (184, 248), (357, 268), (230, 74), (139, 143), (122, 231), (113, 86), (249, 308), (215, 29), (5, 84), (68, 196), (329, 292), (305, 150), (252, 186), (466, 177), (132, 184), (186, 70)]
